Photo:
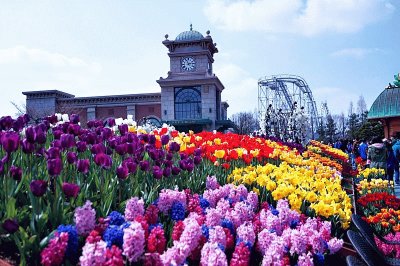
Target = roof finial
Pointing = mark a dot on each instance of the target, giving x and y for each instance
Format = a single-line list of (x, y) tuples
[(191, 27)]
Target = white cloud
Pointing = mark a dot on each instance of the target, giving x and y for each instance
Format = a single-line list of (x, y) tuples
[(357, 53), (241, 89), (21, 54), (305, 17), (338, 99)]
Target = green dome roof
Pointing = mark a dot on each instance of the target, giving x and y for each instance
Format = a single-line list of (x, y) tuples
[(387, 104), (190, 35)]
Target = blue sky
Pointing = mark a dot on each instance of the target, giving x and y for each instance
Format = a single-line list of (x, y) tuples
[(342, 48)]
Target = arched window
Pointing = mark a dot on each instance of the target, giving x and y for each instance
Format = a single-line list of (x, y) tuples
[(187, 103)]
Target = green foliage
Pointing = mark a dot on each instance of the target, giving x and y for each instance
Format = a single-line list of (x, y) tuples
[(369, 130)]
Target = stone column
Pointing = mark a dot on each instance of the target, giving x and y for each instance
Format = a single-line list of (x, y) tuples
[(91, 113), (131, 110)]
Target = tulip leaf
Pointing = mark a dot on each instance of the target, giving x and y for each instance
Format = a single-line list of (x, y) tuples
[(11, 211)]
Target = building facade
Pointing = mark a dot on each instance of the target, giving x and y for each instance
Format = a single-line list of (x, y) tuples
[(190, 97), (386, 109)]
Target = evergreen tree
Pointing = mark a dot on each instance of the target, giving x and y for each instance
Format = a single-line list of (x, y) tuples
[(330, 129)]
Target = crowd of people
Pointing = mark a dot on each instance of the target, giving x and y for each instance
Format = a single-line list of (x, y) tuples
[(376, 153)]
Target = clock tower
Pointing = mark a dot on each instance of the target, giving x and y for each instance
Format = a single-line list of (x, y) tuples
[(191, 93)]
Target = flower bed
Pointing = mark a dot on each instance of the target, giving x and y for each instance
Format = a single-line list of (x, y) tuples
[(62, 182)]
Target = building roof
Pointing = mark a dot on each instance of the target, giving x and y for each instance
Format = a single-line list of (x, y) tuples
[(190, 35), (47, 93), (386, 105)]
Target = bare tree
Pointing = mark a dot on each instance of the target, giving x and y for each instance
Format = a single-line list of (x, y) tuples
[(340, 121), (246, 122), (361, 106)]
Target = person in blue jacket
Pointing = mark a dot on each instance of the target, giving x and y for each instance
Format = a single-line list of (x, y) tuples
[(362, 150)]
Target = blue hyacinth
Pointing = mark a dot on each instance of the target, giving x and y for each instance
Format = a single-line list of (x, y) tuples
[(177, 211), (205, 230), (275, 212), (204, 204), (152, 226), (113, 236), (319, 259), (116, 218), (72, 247), (293, 224), (228, 224)]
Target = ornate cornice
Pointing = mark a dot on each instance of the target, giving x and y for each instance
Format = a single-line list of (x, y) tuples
[(47, 94), (113, 99)]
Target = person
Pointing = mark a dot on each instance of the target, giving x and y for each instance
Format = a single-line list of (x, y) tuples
[(396, 153), (377, 154), (362, 150), (392, 162)]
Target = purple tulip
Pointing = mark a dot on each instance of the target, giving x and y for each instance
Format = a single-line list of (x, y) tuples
[(122, 172), (130, 137), (10, 225), (121, 149), (83, 166), (98, 148), (30, 134), (164, 139), (175, 170), (70, 190), (157, 172), (111, 122), (74, 129), (40, 134), (52, 119), (6, 122), (90, 124), (16, 172), (71, 157), (130, 164), (169, 156), (182, 164), (67, 141), (183, 156), (174, 147), (57, 133), (81, 146), (197, 152), (197, 160), (18, 124), (53, 153), (144, 165), (98, 123), (56, 144), (27, 147), (152, 139), (54, 166), (1, 166), (168, 163), (144, 138), (38, 187), (189, 167), (103, 160), (106, 133), (74, 118), (123, 129), (167, 171), (154, 155), (10, 141)]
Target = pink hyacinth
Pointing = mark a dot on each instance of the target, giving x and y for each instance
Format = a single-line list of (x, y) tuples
[(213, 217), (85, 219), (387, 249), (212, 255), (168, 197), (176, 255), (217, 235), (252, 198), (93, 253), (134, 207), (134, 241), (245, 232), (223, 207), (305, 260), (213, 196), (238, 193), (212, 183), (191, 234), (335, 244), (54, 253), (265, 239)]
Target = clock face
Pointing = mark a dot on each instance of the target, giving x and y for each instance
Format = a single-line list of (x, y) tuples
[(188, 64)]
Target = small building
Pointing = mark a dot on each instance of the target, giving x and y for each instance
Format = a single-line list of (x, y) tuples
[(190, 97), (386, 109)]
